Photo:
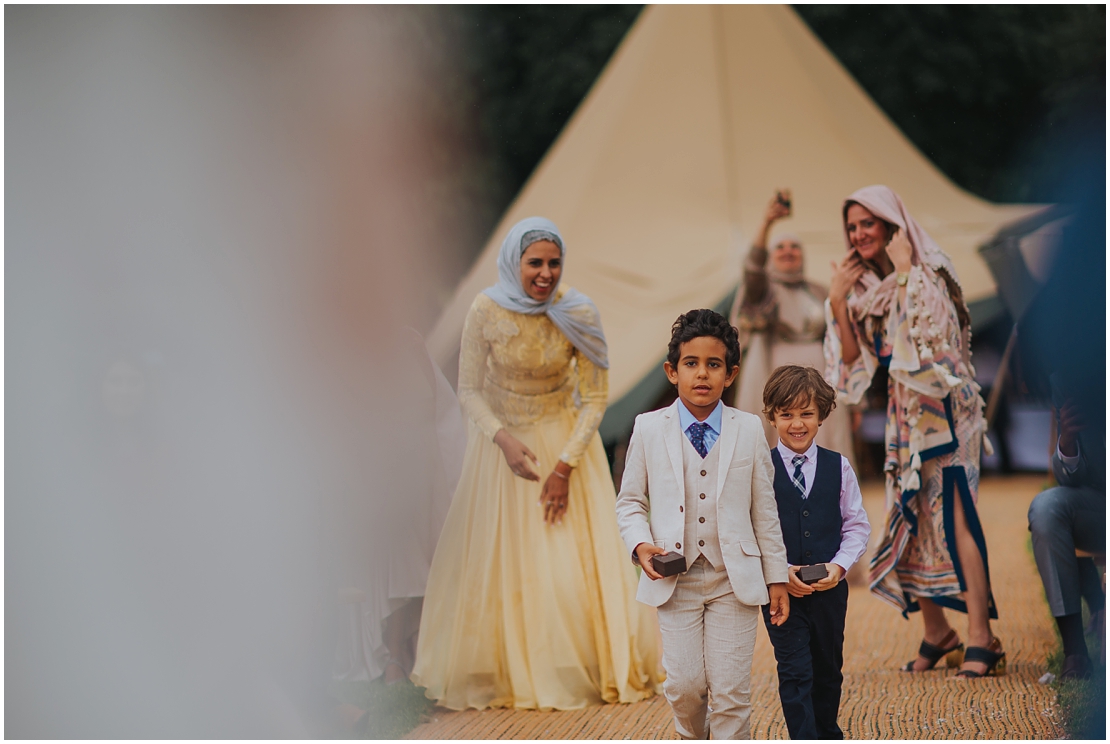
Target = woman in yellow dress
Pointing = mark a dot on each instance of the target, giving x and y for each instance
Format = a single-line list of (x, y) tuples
[(531, 597)]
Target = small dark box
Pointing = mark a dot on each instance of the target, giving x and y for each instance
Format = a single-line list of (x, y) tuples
[(812, 574), (669, 564)]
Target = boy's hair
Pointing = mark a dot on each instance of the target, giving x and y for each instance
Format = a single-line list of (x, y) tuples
[(697, 323), (793, 385)]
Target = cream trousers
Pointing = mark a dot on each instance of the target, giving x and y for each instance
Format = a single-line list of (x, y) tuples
[(708, 641)]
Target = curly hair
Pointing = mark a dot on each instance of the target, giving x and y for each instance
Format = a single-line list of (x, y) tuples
[(698, 323), (794, 385)]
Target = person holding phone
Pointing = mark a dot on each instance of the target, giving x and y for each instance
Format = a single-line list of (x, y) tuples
[(895, 305), (780, 319)]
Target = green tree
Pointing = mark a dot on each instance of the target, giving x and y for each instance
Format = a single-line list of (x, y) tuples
[(997, 96), (1005, 99), (532, 65)]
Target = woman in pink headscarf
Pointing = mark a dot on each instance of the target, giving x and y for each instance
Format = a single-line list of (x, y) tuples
[(897, 311)]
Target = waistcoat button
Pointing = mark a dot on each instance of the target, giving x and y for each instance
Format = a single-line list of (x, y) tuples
[(703, 472), (701, 519), (805, 514), (701, 495), (809, 553), (678, 546), (806, 533), (680, 508), (701, 542)]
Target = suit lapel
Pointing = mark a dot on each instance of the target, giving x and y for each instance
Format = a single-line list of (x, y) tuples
[(672, 437), (726, 443)]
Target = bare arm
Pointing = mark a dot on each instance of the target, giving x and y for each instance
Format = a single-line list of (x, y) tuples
[(755, 274), (844, 277)]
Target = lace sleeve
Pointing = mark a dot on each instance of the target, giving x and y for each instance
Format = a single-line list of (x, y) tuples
[(593, 391), (472, 371)]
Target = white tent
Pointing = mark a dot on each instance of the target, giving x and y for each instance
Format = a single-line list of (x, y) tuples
[(662, 175)]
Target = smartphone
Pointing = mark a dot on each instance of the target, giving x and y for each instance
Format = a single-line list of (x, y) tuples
[(783, 201)]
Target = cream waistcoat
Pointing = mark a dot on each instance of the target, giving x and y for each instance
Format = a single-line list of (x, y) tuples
[(700, 533)]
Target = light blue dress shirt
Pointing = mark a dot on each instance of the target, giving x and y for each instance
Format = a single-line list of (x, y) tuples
[(685, 418)]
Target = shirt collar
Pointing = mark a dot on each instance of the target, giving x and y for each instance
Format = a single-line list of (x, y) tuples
[(685, 418), (787, 454)]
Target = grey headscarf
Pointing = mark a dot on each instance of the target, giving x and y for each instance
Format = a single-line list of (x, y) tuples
[(574, 313)]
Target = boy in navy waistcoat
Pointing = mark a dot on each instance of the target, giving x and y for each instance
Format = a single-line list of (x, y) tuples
[(823, 523)]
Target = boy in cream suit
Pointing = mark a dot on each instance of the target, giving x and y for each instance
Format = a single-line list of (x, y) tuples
[(698, 479)]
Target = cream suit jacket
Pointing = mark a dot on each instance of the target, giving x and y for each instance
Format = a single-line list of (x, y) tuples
[(653, 488)]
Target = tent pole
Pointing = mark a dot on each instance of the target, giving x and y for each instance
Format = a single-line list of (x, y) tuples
[(1000, 378)]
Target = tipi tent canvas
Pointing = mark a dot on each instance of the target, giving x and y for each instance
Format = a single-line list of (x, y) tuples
[(661, 177)]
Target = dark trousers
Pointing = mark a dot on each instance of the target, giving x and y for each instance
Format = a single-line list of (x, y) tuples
[(1063, 519), (809, 648)]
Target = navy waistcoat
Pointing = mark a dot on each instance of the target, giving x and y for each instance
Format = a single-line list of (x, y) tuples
[(810, 526)]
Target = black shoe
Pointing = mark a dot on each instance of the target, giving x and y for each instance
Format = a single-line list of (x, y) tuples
[(950, 647), (1076, 667), (994, 657)]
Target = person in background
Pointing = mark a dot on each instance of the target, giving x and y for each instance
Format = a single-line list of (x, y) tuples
[(1068, 517), (895, 303), (391, 537), (531, 599), (1062, 352), (780, 319)]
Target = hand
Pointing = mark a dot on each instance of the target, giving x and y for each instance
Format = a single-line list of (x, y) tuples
[(836, 573), (780, 603), (556, 490), (796, 587), (1072, 421), (776, 210), (644, 552), (900, 251), (517, 456), (844, 278)]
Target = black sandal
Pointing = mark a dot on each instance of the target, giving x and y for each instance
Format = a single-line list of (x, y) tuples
[(954, 654), (994, 657)]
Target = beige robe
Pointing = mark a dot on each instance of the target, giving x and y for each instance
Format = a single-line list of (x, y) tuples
[(783, 322)]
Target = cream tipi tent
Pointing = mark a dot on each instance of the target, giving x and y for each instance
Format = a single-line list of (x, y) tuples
[(661, 176)]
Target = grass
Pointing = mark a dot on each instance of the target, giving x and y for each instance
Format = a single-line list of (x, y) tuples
[(392, 710), (1082, 702)]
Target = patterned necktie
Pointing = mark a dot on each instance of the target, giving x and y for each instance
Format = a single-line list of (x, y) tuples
[(798, 478), (697, 437)]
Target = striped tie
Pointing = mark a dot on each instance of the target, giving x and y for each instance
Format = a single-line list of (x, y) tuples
[(798, 478)]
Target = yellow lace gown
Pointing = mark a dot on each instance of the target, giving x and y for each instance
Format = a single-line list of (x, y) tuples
[(518, 613)]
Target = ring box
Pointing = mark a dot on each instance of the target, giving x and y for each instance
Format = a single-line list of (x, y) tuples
[(812, 574), (669, 564)]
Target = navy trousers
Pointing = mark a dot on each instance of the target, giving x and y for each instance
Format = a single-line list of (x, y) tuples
[(809, 649)]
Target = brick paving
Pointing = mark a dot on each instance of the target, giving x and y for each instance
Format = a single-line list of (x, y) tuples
[(879, 702)]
